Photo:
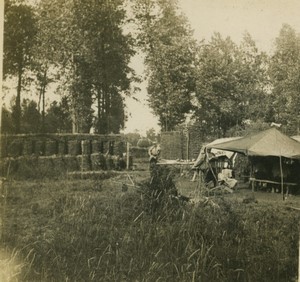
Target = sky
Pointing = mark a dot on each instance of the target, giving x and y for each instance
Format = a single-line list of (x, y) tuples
[(263, 19)]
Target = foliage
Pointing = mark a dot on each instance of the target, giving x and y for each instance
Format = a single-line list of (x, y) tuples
[(31, 118), (144, 143), (132, 138), (152, 135), (284, 74), (230, 81), (19, 37), (114, 236), (94, 54), (7, 125), (166, 39), (58, 117)]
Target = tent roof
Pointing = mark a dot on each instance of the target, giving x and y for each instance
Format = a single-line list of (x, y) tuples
[(270, 142)]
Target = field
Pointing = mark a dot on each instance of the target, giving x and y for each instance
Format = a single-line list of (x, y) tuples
[(109, 230)]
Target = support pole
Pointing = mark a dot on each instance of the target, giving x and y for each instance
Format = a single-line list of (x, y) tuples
[(127, 156), (281, 177)]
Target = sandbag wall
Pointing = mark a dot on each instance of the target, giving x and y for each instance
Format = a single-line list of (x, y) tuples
[(44, 155)]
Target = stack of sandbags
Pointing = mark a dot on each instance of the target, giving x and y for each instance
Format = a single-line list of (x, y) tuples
[(97, 147), (84, 162), (62, 148), (39, 147), (15, 148), (50, 147), (74, 147), (85, 147), (70, 162), (98, 161)]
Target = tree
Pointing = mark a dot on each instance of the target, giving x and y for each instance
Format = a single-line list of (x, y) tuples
[(252, 81), (31, 118), (7, 125), (19, 38), (133, 138), (94, 53), (230, 81), (285, 77), (45, 55), (166, 39), (58, 117)]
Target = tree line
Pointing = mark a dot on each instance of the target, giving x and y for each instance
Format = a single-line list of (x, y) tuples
[(86, 46)]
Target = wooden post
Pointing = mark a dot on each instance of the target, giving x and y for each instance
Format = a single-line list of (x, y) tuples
[(281, 177), (127, 156), (252, 176)]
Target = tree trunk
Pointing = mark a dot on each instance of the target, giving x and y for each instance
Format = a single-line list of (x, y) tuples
[(43, 103)]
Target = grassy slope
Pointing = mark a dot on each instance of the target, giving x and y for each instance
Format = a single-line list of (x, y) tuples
[(88, 230)]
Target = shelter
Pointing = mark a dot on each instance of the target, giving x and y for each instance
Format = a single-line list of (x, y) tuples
[(210, 161), (214, 151), (270, 142), (265, 148)]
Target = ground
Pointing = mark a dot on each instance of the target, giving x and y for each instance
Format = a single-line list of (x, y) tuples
[(38, 208)]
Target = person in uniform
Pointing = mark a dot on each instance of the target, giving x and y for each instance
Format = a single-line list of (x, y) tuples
[(154, 152)]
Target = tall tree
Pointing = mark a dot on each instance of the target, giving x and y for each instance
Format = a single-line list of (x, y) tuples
[(285, 78), (217, 100), (19, 38), (95, 53), (30, 117), (253, 81), (46, 58), (166, 39), (58, 117), (230, 81)]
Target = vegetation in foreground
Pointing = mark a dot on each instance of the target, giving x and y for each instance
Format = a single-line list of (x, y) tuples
[(97, 231)]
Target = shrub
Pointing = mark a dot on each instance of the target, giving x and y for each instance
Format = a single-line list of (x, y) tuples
[(144, 143)]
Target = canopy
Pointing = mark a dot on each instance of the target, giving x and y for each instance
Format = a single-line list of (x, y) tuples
[(270, 142), (217, 153)]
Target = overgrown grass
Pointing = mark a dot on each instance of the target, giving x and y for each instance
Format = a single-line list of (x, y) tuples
[(92, 231)]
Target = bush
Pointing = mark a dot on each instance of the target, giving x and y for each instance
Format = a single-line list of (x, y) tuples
[(144, 143)]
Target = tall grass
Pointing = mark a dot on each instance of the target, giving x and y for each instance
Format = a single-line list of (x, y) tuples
[(92, 231)]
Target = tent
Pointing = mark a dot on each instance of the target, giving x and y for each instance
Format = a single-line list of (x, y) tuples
[(270, 142), (216, 152)]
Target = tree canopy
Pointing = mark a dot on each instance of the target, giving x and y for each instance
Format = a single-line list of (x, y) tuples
[(85, 48)]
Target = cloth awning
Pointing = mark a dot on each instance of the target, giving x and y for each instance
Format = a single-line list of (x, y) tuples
[(270, 142)]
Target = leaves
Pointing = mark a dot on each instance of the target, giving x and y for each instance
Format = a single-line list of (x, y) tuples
[(166, 39)]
